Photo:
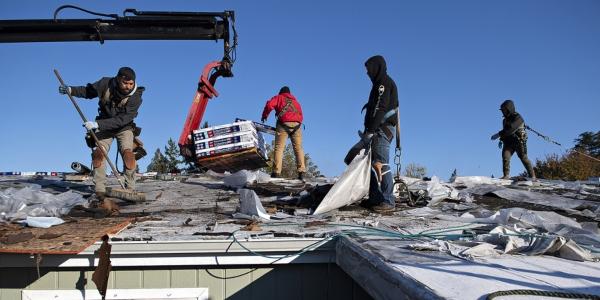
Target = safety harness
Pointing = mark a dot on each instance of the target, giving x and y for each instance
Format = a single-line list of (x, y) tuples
[(289, 105)]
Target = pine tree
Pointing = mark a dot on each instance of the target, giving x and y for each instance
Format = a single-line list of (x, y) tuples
[(158, 163), (172, 156), (288, 168)]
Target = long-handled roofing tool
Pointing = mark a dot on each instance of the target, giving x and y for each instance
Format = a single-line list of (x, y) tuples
[(124, 193)]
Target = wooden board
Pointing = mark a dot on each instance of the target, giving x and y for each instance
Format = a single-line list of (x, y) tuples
[(71, 237), (248, 159)]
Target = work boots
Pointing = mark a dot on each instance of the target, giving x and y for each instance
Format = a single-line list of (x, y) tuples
[(301, 176), (275, 175)]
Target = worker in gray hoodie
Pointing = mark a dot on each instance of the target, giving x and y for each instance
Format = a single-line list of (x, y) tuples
[(119, 100)]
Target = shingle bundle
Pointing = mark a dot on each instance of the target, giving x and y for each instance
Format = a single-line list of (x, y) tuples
[(216, 147)]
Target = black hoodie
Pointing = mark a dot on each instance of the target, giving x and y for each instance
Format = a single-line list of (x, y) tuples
[(379, 105), (512, 120), (111, 117)]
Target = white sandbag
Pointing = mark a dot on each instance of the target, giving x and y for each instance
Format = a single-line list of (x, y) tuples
[(352, 186)]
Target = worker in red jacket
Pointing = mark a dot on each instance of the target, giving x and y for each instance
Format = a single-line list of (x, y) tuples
[(289, 122)]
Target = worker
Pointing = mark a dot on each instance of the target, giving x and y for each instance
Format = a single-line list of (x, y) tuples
[(289, 123), (380, 121), (513, 138), (119, 100)]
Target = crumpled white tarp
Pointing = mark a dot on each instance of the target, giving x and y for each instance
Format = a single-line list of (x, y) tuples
[(534, 233), (435, 189), (537, 198), (352, 186), (239, 179), (470, 181), (32, 201), (250, 204)]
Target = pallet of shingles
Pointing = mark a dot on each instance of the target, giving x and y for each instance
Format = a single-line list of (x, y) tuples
[(230, 147)]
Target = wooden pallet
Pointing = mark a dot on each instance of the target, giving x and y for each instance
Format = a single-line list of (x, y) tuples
[(247, 159)]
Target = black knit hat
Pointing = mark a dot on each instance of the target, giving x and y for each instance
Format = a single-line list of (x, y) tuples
[(127, 73), (284, 89)]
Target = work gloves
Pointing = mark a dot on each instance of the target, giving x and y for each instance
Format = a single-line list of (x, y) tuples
[(63, 89), (495, 136), (89, 125), (365, 141)]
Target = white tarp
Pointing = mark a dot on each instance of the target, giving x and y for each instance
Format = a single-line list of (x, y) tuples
[(239, 179), (250, 204), (470, 181), (536, 198), (352, 186), (528, 232), (435, 189), (32, 201)]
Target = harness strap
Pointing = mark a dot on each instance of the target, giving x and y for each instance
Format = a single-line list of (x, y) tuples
[(290, 130), (288, 105)]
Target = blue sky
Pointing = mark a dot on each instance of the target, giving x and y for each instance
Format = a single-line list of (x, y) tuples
[(454, 62)]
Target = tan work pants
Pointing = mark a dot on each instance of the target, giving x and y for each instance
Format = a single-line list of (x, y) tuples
[(124, 142), (281, 135)]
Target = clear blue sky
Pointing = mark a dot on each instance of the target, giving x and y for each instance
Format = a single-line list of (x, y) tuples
[(454, 62)]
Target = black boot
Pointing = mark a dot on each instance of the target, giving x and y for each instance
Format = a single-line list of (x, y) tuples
[(275, 175), (301, 176)]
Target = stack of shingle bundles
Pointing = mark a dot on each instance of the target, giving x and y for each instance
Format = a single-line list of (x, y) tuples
[(230, 147)]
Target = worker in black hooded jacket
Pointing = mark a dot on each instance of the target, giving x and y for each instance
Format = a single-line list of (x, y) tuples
[(119, 99), (380, 121), (514, 139)]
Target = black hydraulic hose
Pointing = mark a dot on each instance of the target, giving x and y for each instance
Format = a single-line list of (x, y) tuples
[(114, 16)]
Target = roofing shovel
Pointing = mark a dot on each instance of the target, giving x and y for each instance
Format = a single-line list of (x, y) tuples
[(124, 194)]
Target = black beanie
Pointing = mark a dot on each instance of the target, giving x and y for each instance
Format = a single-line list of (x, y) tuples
[(127, 73), (284, 89)]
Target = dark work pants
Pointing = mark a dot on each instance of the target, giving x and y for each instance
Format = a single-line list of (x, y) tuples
[(511, 147)]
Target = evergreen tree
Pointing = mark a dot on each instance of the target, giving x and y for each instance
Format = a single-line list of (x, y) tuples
[(589, 142), (158, 163), (172, 156), (288, 168), (572, 165), (414, 170)]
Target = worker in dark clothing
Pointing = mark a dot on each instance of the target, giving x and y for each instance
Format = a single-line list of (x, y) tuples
[(514, 138), (119, 101), (289, 121), (380, 121)]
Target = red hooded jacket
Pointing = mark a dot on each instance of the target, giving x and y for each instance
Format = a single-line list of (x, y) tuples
[(286, 107)]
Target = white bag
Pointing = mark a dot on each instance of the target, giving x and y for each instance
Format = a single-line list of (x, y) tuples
[(352, 186)]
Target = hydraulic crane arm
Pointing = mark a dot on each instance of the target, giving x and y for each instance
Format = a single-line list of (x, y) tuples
[(142, 25)]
